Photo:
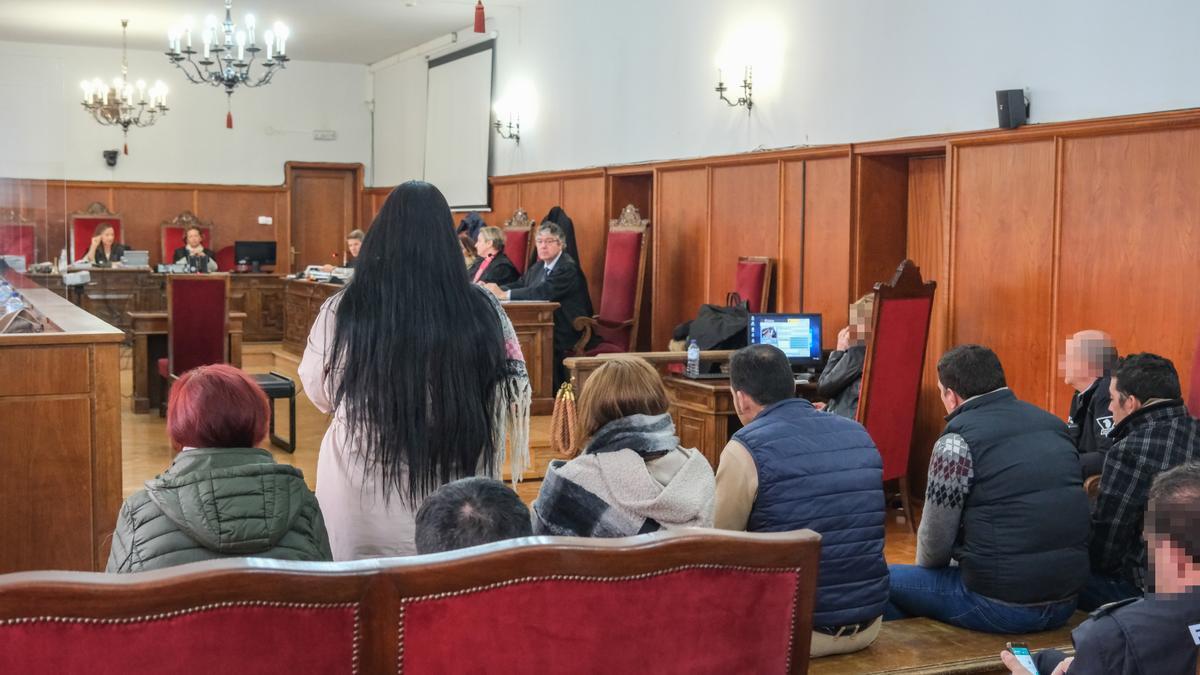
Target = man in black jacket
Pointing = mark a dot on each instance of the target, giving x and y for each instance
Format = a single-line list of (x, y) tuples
[(554, 278), (1158, 633), (1087, 362), (1154, 433)]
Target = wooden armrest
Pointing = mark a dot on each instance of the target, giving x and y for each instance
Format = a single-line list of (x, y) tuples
[(587, 325)]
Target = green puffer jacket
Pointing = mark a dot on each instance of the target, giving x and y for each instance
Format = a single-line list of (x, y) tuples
[(218, 503)]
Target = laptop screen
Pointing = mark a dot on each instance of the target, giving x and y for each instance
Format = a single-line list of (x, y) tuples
[(797, 335)]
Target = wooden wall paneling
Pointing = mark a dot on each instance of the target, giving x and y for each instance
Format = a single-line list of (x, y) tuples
[(681, 248), (506, 198), (926, 220), (283, 232), (1130, 227), (880, 209), (1001, 229), (106, 447), (583, 200), (538, 197), (234, 213), (790, 270), (744, 221), (826, 250), (143, 211), (630, 189)]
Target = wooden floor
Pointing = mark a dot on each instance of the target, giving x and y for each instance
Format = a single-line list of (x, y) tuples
[(146, 450)]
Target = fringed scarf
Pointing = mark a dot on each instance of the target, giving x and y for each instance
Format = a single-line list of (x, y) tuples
[(514, 398)]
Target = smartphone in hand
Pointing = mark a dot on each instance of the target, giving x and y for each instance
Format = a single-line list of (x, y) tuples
[(1021, 651)]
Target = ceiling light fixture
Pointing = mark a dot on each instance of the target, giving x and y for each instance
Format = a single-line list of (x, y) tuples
[(124, 104), (224, 62)]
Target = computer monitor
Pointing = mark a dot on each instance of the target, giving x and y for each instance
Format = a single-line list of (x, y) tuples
[(256, 253), (798, 335)]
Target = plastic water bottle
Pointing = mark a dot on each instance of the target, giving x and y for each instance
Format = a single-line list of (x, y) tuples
[(13, 304), (693, 362)]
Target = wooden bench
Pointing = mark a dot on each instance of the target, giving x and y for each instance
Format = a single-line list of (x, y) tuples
[(925, 647), (690, 600)]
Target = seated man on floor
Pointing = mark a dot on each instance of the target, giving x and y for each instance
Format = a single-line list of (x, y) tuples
[(1153, 433), (1087, 363), (1158, 633), (792, 467), (470, 512), (554, 278), (1005, 502)]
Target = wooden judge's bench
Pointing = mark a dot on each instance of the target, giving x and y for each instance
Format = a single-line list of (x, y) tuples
[(60, 438)]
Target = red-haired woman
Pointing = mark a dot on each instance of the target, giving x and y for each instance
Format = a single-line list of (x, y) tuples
[(221, 496)]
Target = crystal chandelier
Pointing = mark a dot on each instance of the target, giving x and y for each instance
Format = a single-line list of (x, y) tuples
[(120, 104), (224, 61)]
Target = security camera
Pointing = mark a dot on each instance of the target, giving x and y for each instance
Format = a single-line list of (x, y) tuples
[(110, 157)]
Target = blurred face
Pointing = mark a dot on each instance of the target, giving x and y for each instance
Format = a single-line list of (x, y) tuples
[(548, 246), (1075, 364), (483, 246), (108, 236), (194, 238), (353, 245), (860, 324)]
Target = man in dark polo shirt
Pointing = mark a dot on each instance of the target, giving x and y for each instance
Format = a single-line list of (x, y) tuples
[(1161, 632)]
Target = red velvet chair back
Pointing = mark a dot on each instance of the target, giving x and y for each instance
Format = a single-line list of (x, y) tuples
[(624, 277), (82, 227), (517, 239), (673, 601), (197, 318), (17, 238), (225, 259), (891, 381), (171, 234), (753, 282)]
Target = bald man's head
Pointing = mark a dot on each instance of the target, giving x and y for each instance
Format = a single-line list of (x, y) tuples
[(1089, 354)]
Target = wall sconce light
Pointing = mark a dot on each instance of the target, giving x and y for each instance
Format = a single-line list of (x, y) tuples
[(747, 99), (509, 131)]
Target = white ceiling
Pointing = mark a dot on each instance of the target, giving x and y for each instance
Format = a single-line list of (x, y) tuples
[(347, 31)]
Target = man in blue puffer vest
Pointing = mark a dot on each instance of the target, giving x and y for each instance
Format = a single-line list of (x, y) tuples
[(1003, 542), (793, 467)]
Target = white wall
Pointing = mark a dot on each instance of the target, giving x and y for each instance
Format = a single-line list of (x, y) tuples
[(632, 80), (48, 135)]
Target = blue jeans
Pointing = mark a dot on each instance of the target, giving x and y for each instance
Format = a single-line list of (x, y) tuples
[(1101, 590), (940, 594)]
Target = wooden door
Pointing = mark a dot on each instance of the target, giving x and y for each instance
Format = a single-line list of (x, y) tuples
[(323, 211)]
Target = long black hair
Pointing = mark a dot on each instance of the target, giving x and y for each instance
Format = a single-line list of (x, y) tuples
[(420, 351)]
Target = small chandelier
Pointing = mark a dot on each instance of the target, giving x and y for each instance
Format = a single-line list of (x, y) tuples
[(224, 61), (747, 87), (120, 105)]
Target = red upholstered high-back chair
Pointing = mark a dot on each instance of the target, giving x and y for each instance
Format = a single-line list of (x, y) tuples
[(891, 381), (197, 323), (621, 296), (675, 601), (82, 227), (225, 259), (17, 236), (171, 235), (753, 282), (518, 239)]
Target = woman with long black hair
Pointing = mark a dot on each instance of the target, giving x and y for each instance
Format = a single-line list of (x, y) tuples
[(422, 373)]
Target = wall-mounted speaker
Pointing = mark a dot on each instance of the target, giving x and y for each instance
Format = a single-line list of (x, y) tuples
[(1012, 108)]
